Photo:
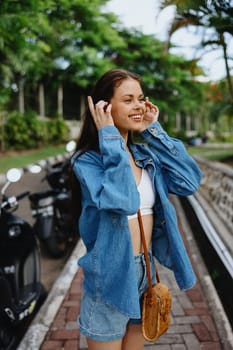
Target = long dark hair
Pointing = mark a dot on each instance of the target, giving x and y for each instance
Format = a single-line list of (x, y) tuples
[(88, 139), (103, 90)]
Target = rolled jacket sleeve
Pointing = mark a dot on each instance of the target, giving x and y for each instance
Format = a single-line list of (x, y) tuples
[(106, 178), (183, 175)]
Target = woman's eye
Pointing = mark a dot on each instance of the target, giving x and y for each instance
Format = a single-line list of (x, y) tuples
[(141, 100)]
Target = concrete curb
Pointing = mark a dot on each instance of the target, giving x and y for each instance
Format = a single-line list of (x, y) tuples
[(40, 325), (43, 163)]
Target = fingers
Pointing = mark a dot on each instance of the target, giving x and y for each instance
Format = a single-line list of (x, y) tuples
[(91, 104), (101, 107), (151, 108), (101, 112)]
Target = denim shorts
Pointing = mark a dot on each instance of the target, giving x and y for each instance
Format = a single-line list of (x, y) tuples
[(102, 322)]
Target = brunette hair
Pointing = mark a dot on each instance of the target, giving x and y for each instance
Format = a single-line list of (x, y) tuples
[(88, 139), (103, 90)]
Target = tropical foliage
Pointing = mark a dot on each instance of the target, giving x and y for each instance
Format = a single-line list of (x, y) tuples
[(213, 21), (51, 52)]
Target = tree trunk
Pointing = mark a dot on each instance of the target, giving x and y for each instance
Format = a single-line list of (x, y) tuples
[(196, 123), (21, 96), (188, 123), (41, 101), (178, 121), (60, 101), (228, 75)]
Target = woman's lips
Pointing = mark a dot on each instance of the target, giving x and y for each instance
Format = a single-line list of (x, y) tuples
[(136, 117)]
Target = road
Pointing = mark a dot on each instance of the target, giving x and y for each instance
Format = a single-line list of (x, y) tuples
[(50, 268)]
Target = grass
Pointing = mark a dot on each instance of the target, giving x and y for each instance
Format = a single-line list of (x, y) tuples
[(19, 159), (212, 153)]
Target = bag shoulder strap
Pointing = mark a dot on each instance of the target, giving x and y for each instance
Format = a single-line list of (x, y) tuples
[(146, 253)]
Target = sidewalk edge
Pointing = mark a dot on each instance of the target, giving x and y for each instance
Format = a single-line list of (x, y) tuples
[(39, 327), (43, 163)]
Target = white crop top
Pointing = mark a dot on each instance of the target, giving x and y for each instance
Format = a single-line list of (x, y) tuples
[(147, 196)]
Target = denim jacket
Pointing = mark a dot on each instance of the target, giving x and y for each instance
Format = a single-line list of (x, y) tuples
[(109, 195)]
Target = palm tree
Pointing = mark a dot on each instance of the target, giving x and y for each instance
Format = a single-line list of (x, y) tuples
[(217, 15)]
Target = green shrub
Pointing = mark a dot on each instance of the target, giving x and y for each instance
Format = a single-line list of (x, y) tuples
[(57, 131), (21, 131), (224, 137), (179, 134), (28, 131)]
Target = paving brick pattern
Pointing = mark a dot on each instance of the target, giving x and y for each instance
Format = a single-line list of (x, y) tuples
[(192, 325), (63, 333)]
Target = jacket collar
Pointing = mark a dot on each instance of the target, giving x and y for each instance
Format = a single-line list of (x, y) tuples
[(142, 155)]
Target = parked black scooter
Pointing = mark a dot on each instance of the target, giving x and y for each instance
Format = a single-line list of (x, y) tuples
[(21, 292), (52, 212)]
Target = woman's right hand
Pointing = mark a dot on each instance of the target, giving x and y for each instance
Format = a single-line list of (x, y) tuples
[(101, 113)]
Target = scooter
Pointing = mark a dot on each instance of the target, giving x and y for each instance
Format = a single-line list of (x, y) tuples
[(51, 210), (21, 292)]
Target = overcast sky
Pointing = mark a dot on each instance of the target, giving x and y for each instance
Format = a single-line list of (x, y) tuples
[(144, 15)]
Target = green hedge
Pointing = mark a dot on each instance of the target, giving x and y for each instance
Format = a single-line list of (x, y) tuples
[(28, 131)]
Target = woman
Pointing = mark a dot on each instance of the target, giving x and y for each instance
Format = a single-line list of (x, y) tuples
[(116, 178)]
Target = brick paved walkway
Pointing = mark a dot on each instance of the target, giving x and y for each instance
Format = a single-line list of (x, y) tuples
[(63, 333), (192, 326)]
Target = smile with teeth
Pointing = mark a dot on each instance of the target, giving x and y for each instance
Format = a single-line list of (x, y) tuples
[(136, 117)]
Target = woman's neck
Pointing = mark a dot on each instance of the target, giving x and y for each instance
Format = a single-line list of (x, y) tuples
[(125, 137)]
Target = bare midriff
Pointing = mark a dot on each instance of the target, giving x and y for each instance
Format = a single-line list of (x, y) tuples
[(147, 220), (134, 228)]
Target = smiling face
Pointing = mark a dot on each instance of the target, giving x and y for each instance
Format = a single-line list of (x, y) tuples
[(128, 106)]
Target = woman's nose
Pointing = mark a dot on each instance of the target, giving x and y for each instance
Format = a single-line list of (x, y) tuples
[(137, 105)]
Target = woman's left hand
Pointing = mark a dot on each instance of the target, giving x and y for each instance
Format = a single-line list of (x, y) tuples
[(151, 114)]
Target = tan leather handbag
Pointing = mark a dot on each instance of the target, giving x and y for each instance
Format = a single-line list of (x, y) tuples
[(157, 300)]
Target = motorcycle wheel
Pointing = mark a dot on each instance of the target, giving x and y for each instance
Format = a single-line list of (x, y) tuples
[(7, 338), (56, 244), (43, 295)]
